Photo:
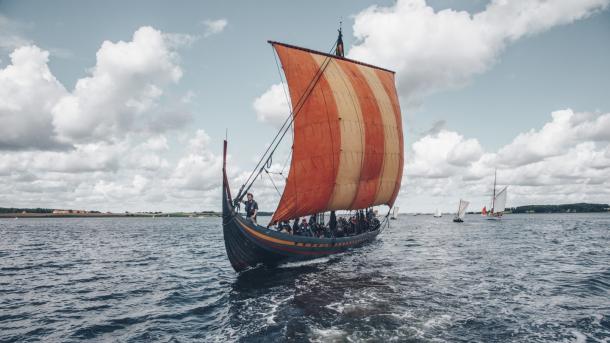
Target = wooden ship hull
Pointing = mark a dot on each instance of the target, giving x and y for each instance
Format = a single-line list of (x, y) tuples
[(249, 245)]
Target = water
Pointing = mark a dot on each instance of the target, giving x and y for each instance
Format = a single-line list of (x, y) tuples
[(527, 278)]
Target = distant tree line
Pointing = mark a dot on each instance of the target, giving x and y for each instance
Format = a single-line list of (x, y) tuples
[(28, 210), (567, 208)]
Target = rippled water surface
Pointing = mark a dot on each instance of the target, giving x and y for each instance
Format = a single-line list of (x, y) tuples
[(526, 278)]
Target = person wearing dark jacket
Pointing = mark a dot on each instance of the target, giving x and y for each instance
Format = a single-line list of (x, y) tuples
[(332, 223), (304, 228), (251, 208), (295, 227)]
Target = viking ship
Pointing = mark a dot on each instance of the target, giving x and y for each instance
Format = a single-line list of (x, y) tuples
[(347, 154)]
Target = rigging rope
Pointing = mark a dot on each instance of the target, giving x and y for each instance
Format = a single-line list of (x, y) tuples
[(286, 162), (273, 183), (283, 129)]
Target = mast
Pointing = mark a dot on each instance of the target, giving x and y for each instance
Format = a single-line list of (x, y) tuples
[(340, 51), (493, 200)]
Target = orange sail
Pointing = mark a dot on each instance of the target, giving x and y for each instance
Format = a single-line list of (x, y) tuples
[(348, 140)]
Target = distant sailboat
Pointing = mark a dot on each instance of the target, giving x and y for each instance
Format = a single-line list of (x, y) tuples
[(461, 212), (437, 213), (498, 202), (394, 213)]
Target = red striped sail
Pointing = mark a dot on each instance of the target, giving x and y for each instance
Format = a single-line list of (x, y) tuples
[(348, 139)]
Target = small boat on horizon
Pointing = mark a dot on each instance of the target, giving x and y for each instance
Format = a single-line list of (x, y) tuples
[(461, 212), (437, 213), (498, 203), (394, 215)]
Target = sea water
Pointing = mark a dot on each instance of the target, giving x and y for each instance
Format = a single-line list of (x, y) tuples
[(526, 278)]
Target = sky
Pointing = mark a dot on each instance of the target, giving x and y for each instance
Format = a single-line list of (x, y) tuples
[(123, 106)]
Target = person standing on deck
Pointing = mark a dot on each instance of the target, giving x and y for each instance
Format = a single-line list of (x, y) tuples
[(304, 228), (295, 227), (332, 224), (251, 208)]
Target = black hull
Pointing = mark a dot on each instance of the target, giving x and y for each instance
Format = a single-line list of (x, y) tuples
[(249, 245)]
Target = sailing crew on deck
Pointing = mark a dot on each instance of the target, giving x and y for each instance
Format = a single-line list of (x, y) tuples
[(332, 223), (251, 208), (304, 228), (295, 227), (285, 227)]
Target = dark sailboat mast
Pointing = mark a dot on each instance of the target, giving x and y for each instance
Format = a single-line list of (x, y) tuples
[(493, 199), (339, 50)]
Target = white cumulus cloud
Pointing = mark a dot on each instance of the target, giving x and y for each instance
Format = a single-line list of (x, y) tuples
[(125, 84), (120, 96), (435, 50), (213, 27), (567, 160), (272, 106), (28, 93), (564, 130)]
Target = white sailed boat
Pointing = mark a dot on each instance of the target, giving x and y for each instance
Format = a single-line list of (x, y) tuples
[(437, 213), (461, 212), (394, 215), (498, 202)]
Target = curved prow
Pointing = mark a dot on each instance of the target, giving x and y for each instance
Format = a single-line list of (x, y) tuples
[(227, 207)]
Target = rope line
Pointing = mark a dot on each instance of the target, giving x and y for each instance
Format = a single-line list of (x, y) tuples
[(273, 183)]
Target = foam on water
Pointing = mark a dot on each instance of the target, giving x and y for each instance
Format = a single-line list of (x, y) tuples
[(304, 263)]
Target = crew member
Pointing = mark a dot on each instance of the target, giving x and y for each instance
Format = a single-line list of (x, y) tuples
[(251, 208)]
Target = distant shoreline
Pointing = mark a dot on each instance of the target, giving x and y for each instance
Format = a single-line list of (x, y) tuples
[(56, 213), (107, 215), (212, 215)]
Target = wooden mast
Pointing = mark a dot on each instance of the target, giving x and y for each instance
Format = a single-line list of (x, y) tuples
[(339, 50), (493, 200)]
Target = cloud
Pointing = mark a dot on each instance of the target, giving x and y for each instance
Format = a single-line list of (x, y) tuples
[(28, 93), (432, 51), (135, 174), (272, 106), (567, 160), (107, 139), (200, 169), (564, 130), (179, 40), (213, 27), (120, 96), (124, 86), (440, 154)]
